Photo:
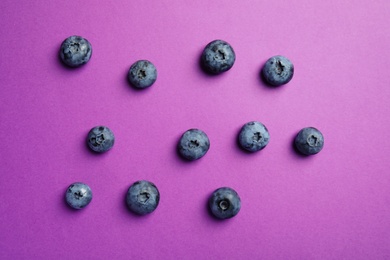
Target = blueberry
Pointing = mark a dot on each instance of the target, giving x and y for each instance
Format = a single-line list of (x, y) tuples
[(224, 203), (309, 141), (193, 144), (100, 139), (217, 57), (142, 74), (78, 195), (75, 51), (142, 197), (253, 136), (278, 70)]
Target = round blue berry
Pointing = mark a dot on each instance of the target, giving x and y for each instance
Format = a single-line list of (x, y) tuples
[(193, 144), (142, 74), (309, 141), (278, 70), (218, 56), (100, 139), (142, 197), (254, 136), (75, 51), (224, 203), (78, 195)]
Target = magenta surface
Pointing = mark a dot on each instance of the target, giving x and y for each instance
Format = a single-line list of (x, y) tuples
[(334, 205)]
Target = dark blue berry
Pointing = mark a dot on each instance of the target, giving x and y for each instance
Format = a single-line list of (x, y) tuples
[(100, 139), (142, 197), (309, 141), (142, 74), (224, 203), (78, 195), (193, 144), (254, 136), (278, 70), (217, 57), (75, 51)]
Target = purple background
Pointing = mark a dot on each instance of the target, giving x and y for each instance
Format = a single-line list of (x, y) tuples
[(334, 205)]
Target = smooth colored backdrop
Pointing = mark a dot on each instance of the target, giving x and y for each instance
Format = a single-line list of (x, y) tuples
[(334, 205)]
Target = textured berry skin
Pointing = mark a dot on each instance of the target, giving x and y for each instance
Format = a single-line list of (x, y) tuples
[(78, 195), (75, 51), (278, 70), (254, 136), (142, 197), (224, 203), (100, 139), (142, 74), (193, 144), (309, 141), (217, 57)]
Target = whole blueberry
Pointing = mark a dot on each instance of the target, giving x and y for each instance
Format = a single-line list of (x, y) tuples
[(193, 144), (253, 136), (217, 57), (78, 195), (309, 141), (224, 203), (142, 74), (100, 139), (142, 197), (75, 51), (278, 70)]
